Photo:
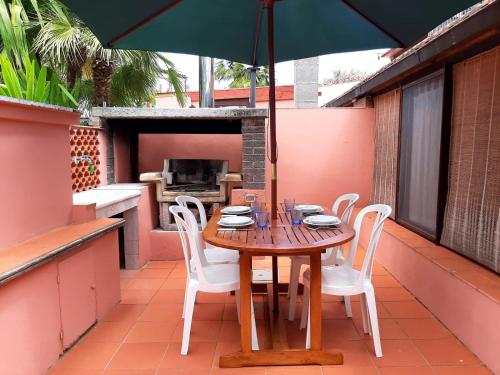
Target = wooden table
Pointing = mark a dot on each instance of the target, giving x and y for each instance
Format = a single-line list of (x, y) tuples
[(280, 238)]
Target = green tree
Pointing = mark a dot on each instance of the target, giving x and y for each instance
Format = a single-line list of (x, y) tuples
[(238, 74), (119, 77)]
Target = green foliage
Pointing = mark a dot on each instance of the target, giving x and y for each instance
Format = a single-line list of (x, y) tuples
[(238, 74), (35, 83), (13, 40)]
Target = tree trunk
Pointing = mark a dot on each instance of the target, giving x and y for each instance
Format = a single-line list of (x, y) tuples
[(102, 72), (75, 67)]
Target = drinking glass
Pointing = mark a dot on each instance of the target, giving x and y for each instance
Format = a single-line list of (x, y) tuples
[(296, 216), (262, 219), (289, 204), (257, 206)]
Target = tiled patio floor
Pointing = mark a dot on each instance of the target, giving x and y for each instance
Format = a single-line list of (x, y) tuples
[(142, 335)]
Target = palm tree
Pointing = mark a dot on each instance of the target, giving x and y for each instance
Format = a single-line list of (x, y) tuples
[(239, 74), (119, 77)]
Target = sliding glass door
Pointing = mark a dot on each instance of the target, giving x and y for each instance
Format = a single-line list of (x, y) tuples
[(420, 150)]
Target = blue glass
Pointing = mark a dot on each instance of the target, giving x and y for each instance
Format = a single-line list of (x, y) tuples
[(296, 216), (262, 219), (289, 204)]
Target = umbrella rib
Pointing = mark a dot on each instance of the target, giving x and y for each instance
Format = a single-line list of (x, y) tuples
[(257, 33), (379, 27), (142, 23)]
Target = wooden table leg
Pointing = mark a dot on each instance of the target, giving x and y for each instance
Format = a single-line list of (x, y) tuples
[(276, 292), (245, 303), (315, 298)]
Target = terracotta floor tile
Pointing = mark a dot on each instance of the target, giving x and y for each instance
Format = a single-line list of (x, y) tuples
[(126, 283), (208, 331), (406, 309), (208, 311), (423, 328), (168, 296), (168, 264), (447, 351), (170, 284), (230, 312), (125, 313), (162, 313), (339, 330), (456, 263), (330, 310), (393, 294), (295, 370), (239, 371), (170, 371), (146, 284), (154, 273), (108, 332), (230, 330), (462, 370), (91, 355), (385, 281), (200, 356), (138, 356), (378, 270), (129, 372), (225, 347), (178, 272), (397, 353), (389, 330), (343, 370), (414, 370), (129, 273), (355, 353), (137, 297), (211, 297), (381, 310), (73, 371), (152, 331)]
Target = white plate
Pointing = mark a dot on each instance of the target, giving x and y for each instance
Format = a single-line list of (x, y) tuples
[(236, 210), (235, 221), (322, 220), (309, 208)]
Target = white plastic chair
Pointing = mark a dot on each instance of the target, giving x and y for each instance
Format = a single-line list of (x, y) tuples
[(204, 277), (344, 280), (332, 256), (212, 253)]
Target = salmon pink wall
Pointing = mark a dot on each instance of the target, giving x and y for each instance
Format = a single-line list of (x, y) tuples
[(35, 182), (324, 153), (154, 148)]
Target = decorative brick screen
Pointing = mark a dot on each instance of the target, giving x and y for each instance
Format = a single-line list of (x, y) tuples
[(84, 158)]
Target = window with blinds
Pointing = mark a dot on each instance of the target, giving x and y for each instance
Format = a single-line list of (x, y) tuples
[(420, 149), (472, 215), (386, 148)]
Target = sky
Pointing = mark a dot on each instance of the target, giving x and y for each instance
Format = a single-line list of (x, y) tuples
[(368, 61)]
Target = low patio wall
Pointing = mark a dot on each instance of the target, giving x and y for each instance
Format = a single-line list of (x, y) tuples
[(457, 291), (35, 193)]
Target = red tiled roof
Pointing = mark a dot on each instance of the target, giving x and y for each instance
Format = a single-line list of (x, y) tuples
[(282, 93)]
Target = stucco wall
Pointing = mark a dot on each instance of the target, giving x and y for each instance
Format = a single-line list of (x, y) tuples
[(324, 153), (35, 172)]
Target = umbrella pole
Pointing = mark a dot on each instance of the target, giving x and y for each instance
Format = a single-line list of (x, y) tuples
[(272, 109)]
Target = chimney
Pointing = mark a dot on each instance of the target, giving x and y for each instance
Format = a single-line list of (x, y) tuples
[(206, 82), (306, 82)]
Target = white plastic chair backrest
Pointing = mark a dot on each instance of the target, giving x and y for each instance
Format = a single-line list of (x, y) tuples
[(183, 200), (351, 199), (191, 240), (382, 211)]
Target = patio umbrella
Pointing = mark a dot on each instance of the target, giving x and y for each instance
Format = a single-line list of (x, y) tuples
[(260, 32)]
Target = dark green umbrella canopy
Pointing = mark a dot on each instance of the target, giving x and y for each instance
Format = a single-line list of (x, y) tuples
[(239, 30), (236, 30)]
